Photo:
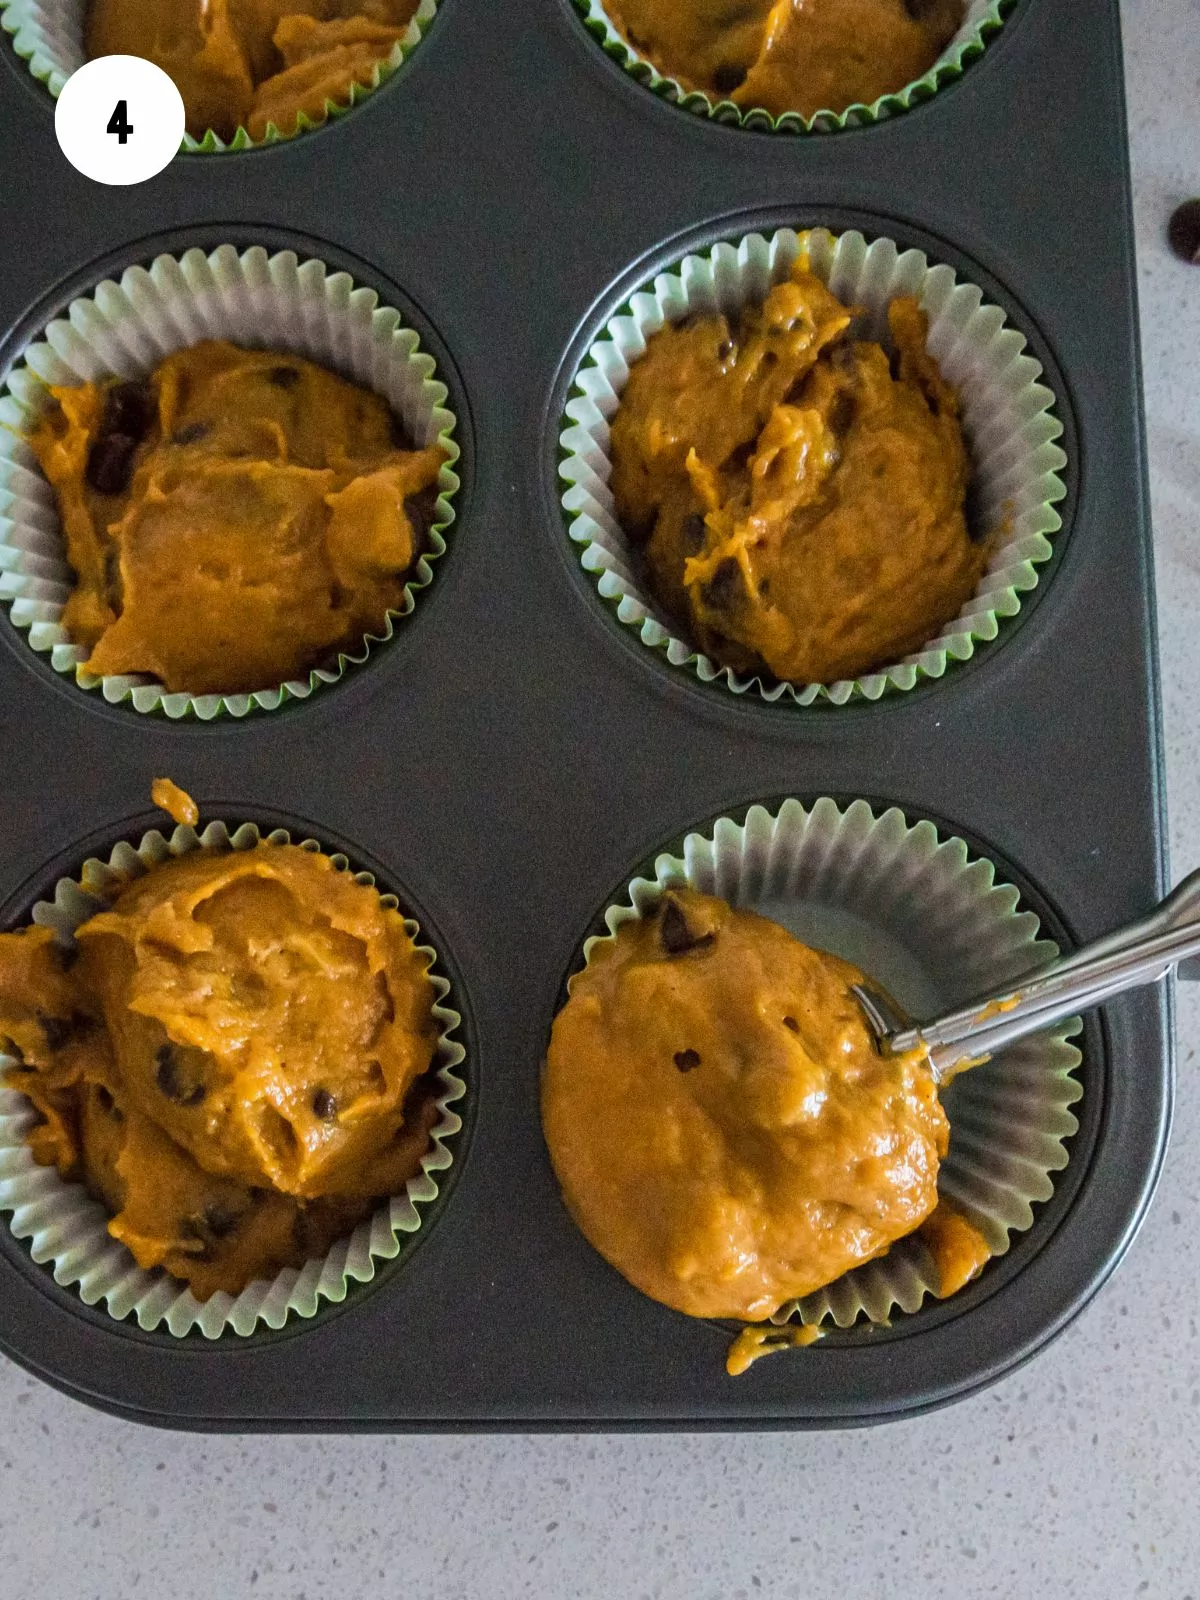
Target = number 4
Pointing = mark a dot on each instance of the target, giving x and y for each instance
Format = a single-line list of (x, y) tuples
[(119, 122)]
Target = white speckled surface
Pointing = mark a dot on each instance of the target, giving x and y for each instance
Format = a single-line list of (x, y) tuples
[(1075, 1477)]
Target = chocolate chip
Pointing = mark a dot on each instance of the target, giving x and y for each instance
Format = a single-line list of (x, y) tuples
[(421, 511), (325, 1105), (687, 1060), (192, 433), (1183, 232), (284, 377), (107, 1104), (220, 1220), (790, 1022), (918, 10), (128, 410), (723, 588), (65, 956), (728, 77), (725, 349), (674, 934), (401, 438), (843, 411), (110, 463), (692, 532), (57, 1029), (171, 1078)]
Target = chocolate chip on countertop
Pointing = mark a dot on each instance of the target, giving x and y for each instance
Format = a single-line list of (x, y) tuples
[(728, 77), (325, 1105), (674, 933), (1183, 231), (110, 463), (284, 377), (687, 1060), (171, 1079)]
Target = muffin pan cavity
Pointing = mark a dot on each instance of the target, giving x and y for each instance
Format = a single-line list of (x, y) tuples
[(64, 1228), (123, 328)]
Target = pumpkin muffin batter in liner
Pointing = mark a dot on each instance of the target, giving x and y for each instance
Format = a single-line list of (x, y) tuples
[(125, 330), (51, 37), (981, 20), (931, 923), (1006, 413), (67, 1229)]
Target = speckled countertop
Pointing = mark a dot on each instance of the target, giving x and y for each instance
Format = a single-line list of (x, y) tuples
[(1075, 1476)]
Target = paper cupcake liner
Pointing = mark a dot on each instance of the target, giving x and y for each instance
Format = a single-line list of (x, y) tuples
[(983, 18), (125, 329), (66, 1229), (48, 36), (933, 925), (1007, 415)]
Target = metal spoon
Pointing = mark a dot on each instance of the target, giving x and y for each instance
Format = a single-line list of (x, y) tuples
[(1141, 953)]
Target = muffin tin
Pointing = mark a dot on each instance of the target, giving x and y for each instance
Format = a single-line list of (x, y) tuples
[(514, 756)]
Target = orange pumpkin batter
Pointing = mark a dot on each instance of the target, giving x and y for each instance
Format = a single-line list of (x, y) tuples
[(234, 1057), (801, 503), (233, 521), (253, 63), (790, 55), (722, 1127)]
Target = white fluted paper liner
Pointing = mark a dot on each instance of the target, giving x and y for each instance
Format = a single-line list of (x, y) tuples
[(1007, 415), (48, 36), (125, 329), (981, 19), (932, 924), (66, 1229)]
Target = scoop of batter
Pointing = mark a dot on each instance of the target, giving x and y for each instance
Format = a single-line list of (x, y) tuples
[(722, 1127), (234, 1057), (799, 494), (791, 55), (233, 521), (250, 63)]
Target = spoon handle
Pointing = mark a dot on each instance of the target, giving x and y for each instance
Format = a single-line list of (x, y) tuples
[(1141, 953)]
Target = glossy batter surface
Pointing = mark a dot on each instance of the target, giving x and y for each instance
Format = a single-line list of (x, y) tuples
[(723, 1130), (800, 497), (233, 1057), (252, 63), (790, 55), (233, 521)]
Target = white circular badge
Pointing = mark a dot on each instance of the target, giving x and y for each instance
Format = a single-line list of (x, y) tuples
[(119, 119)]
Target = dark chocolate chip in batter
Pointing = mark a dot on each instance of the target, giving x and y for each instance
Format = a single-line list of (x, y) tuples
[(421, 511), (692, 532), (171, 1076), (110, 463), (284, 377), (325, 1105), (57, 1029), (728, 77), (192, 433), (107, 1104), (843, 411), (687, 1060), (128, 410), (674, 933), (790, 1022), (723, 588), (1183, 232)]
